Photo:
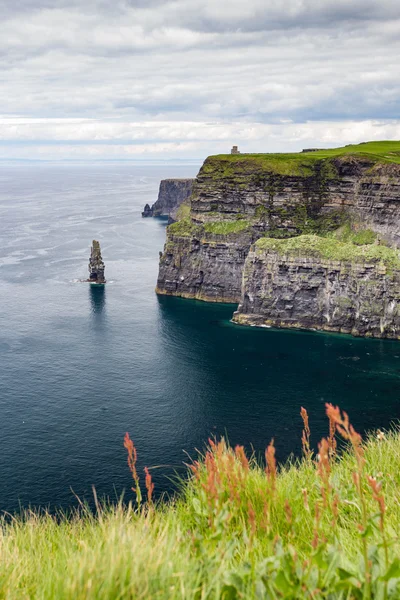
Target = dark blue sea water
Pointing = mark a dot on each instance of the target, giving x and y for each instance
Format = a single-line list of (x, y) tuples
[(80, 366)]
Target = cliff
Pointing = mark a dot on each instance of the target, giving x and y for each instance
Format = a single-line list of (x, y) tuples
[(238, 199), (171, 194), (320, 283)]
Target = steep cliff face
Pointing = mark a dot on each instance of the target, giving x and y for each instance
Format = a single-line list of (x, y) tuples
[(314, 283), (171, 194), (239, 199), (204, 265), (294, 197)]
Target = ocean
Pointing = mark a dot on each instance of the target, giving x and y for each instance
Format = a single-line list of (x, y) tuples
[(80, 366)]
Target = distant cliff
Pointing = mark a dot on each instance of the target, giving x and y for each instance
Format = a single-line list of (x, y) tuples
[(171, 194), (236, 200)]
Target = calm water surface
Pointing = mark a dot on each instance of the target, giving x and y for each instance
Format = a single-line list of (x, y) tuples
[(80, 366)]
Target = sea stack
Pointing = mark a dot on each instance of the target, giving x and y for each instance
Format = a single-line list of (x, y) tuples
[(147, 211), (96, 264)]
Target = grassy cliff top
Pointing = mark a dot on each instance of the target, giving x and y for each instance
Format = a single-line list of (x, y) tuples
[(330, 248), (384, 151), (299, 163)]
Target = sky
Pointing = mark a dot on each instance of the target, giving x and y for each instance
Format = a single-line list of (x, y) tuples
[(143, 79)]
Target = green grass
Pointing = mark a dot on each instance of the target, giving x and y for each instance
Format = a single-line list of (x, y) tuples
[(301, 164), (234, 532), (183, 211), (183, 228), (331, 249), (226, 227), (358, 236), (385, 151), (239, 167)]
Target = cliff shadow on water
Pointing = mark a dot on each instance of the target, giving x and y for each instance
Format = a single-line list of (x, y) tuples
[(255, 380)]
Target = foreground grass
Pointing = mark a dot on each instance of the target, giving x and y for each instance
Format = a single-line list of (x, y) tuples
[(319, 528)]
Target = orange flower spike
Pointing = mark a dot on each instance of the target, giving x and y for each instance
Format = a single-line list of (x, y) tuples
[(304, 416), (305, 438), (241, 456), (324, 467), (128, 444), (355, 437), (132, 457), (331, 439), (149, 485), (342, 422), (333, 413), (221, 448), (211, 470), (271, 464), (195, 468)]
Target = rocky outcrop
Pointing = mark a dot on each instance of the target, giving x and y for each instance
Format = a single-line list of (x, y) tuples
[(172, 193), (238, 199), (147, 211), (313, 286), (96, 264)]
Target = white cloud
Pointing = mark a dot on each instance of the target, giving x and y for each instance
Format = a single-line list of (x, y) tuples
[(173, 71), (90, 138)]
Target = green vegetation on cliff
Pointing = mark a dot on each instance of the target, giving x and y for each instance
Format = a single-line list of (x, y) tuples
[(183, 228), (355, 235), (330, 248), (186, 227), (383, 151), (183, 211), (325, 527), (226, 227), (240, 166)]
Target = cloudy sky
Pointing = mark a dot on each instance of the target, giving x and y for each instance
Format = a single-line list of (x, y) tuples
[(187, 78)]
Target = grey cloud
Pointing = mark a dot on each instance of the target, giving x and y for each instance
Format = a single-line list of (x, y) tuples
[(260, 61), (212, 16)]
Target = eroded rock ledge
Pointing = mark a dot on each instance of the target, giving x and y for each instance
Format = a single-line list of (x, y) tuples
[(322, 284)]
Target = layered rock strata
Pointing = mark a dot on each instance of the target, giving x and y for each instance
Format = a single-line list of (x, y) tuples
[(239, 199), (354, 291), (204, 265), (172, 193)]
